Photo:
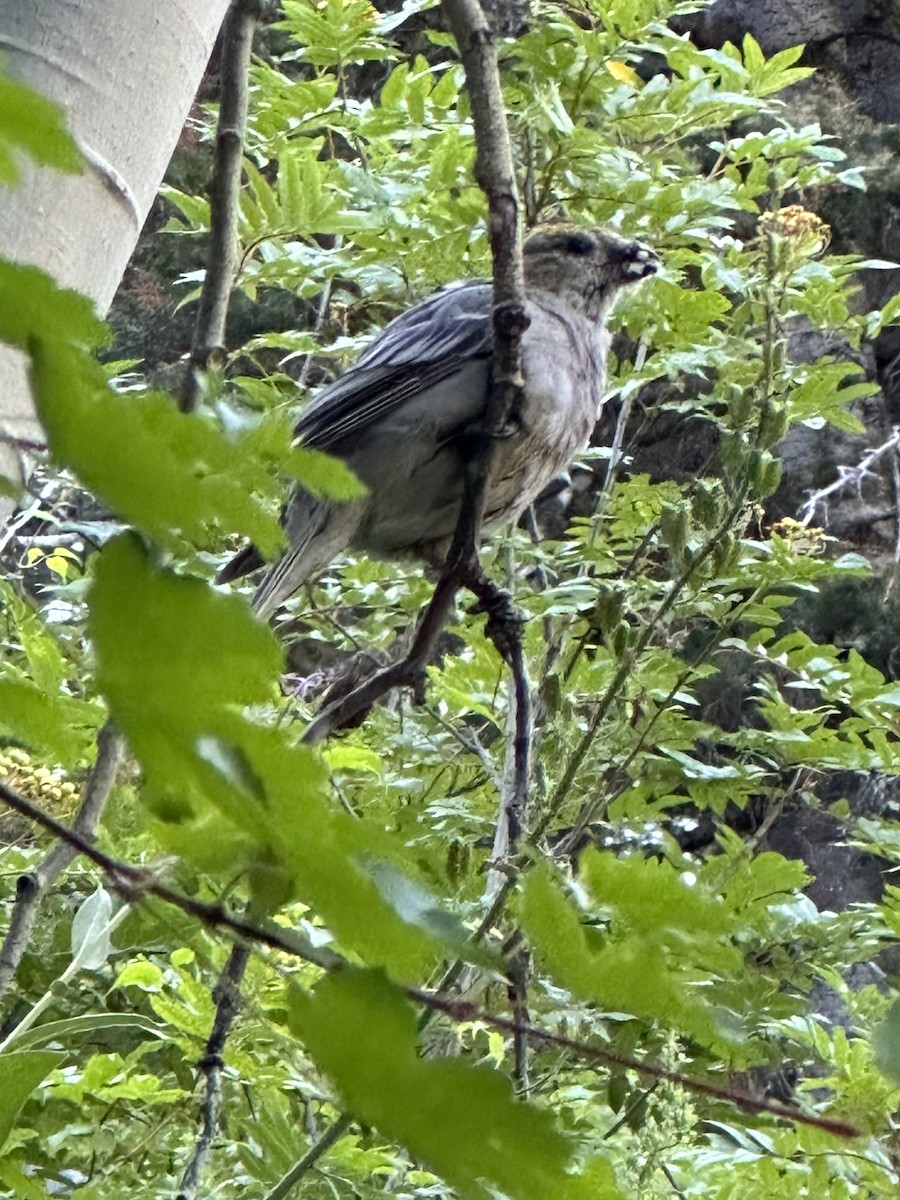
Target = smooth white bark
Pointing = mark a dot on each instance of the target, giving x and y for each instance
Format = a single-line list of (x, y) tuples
[(126, 72)]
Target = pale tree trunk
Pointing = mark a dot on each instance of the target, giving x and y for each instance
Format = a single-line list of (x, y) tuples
[(126, 74)]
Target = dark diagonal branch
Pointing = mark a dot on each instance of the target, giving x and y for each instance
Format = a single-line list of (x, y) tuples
[(138, 883), (224, 200), (462, 1010), (32, 887), (135, 884)]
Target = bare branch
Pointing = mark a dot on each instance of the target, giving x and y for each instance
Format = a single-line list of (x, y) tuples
[(208, 348), (505, 629), (32, 887), (137, 884), (852, 476), (463, 1011), (209, 331), (495, 172)]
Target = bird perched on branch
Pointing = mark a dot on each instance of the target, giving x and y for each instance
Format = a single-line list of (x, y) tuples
[(407, 416)]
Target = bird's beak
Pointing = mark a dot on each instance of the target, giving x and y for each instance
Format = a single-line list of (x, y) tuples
[(639, 262)]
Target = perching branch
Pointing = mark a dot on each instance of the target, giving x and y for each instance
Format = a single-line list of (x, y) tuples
[(294, 1174), (495, 172), (32, 887), (208, 345)]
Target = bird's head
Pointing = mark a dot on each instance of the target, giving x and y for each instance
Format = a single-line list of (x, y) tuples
[(586, 267)]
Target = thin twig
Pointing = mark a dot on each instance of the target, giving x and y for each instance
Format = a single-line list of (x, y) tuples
[(136, 883), (399, 674), (208, 347), (321, 314), (224, 206), (895, 489), (468, 739), (505, 631), (631, 1111), (616, 456), (518, 974), (32, 887), (463, 1011), (227, 996), (629, 658), (332, 1134)]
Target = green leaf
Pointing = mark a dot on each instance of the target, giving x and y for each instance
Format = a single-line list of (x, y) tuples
[(170, 649), (624, 972), (88, 1023), (324, 475), (180, 475), (36, 126), (178, 660), (21, 1073), (60, 727), (22, 1186), (337, 864), (91, 946), (463, 1122), (32, 305)]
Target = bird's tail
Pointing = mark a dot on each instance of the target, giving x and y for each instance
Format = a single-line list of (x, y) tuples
[(317, 530)]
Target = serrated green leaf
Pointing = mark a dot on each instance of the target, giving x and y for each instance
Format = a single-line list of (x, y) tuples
[(362, 1032), (32, 305), (34, 125), (170, 648), (195, 208), (624, 972), (324, 475), (180, 477), (330, 860), (60, 727), (89, 1023)]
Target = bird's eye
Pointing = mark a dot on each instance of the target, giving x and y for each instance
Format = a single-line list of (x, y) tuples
[(561, 241), (579, 242)]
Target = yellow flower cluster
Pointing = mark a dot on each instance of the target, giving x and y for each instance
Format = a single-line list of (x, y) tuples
[(35, 782), (807, 233)]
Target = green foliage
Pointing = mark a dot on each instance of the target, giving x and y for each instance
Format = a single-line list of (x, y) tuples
[(32, 125), (362, 1031), (673, 688)]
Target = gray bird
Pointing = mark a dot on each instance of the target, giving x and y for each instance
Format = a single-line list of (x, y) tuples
[(406, 416)]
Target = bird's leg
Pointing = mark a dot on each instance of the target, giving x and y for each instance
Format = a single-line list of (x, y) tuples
[(504, 621), (504, 628)]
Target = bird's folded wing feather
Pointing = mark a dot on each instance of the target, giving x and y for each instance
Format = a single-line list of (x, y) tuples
[(416, 351)]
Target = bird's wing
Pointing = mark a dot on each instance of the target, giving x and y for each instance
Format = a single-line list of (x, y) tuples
[(416, 351)]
